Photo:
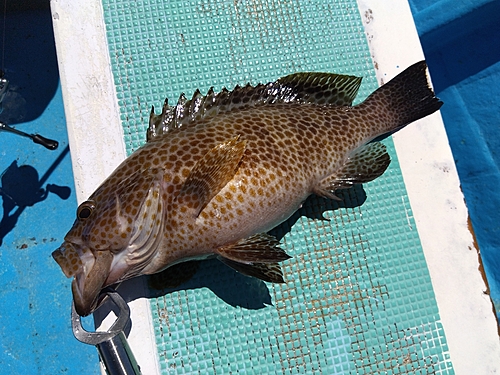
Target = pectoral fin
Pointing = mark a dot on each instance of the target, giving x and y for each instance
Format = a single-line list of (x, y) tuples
[(365, 165), (210, 174)]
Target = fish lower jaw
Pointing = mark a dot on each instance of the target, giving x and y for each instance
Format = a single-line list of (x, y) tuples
[(78, 285), (87, 286)]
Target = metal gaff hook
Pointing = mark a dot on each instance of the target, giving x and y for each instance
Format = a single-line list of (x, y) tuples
[(112, 345)]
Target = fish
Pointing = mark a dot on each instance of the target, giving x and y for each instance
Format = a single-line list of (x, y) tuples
[(219, 171)]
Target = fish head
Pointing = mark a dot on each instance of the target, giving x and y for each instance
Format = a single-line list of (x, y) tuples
[(114, 236)]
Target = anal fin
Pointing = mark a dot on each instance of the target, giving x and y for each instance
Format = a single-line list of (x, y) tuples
[(365, 165), (256, 256), (259, 248), (270, 272)]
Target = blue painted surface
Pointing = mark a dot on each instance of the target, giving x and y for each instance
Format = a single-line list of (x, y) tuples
[(461, 46), (461, 42), (38, 207)]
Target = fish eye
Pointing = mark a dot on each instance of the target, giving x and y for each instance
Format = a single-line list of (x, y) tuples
[(85, 210)]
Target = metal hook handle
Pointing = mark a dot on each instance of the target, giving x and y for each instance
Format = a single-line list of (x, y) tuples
[(112, 345)]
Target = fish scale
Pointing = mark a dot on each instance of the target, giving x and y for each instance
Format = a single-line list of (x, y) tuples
[(221, 170)]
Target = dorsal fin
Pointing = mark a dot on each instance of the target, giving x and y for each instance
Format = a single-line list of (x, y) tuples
[(320, 88), (314, 88)]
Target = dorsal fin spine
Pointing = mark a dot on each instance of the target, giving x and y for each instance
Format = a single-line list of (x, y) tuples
[(303, 88)]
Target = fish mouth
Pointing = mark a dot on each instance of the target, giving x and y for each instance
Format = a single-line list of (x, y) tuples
[(90, 270)]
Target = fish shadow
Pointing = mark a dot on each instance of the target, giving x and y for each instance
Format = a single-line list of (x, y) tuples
[(233, 288), (315, 207)]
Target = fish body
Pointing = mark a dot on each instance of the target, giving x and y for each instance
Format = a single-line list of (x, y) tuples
[(219, 171)]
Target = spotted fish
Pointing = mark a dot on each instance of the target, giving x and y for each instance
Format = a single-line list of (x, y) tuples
[(221, 170)]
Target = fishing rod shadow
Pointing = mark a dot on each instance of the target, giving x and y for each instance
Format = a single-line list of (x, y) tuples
[(21, 187)]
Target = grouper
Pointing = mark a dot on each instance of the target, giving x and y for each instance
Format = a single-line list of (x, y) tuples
[(220, 170)]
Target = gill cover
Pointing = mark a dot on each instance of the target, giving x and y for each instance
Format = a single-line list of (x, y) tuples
[(115, 235)]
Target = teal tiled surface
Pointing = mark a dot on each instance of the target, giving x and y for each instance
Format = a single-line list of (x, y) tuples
[(358, 297)]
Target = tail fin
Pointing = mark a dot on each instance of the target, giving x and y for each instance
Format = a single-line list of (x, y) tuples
[(406, 98)]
